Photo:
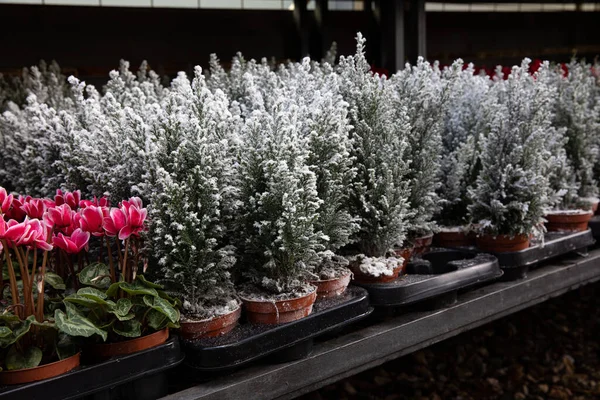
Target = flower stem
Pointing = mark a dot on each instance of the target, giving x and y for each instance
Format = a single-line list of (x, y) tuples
[(124, 267), (13, 279), (40, 306), (113, 275), (24, 278)]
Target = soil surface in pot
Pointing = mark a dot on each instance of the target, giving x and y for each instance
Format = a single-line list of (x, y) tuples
[(41, 372), (376, 269)]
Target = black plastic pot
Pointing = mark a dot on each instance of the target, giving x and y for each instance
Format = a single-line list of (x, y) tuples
[(140, 376), (285, 342), (435, 278), (516, 264)]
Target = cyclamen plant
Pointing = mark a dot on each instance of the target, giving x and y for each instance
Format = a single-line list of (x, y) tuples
[(193, 198), (379, 191), (512, 189)]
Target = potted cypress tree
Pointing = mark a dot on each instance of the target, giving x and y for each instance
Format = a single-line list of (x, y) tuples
[(278, 209), (421, 92), (464, 124), (577, 112), (511, 192), (191, 189), (379, 192), (324, 123)]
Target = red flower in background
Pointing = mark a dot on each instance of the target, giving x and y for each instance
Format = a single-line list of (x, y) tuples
[(6, 200), (101, 202), (115, 222), (62, 218)]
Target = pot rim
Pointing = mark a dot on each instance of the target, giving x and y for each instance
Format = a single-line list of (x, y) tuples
[(245, 299), (348, 272), (16, 371), (199, 321)]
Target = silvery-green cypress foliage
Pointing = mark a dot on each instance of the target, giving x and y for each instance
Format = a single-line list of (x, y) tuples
[(464, 124), (421, 93), (135, 90), (279, 201), (323, 122), (192, 196), (577, 110), (379, 192), (511, 192)]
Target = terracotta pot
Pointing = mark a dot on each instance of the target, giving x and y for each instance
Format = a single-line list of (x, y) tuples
[(422, 244), (502, 243), (361, 277), (38, 373), (406, 253), (594, 207), (568, 222), (104, 351), (211, 327), (281, 311), (453, 239), (328, 288)]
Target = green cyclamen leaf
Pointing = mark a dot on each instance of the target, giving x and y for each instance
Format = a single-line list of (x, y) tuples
[(147, 283), (96, 275), (77, 325), (30, 358), (162, 306), (54, 280), (138, 288), (131, 328)]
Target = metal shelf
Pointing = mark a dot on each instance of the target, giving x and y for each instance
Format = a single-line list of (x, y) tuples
[(396, 336)]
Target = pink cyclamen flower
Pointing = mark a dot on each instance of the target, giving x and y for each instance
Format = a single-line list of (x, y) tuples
[(34, 208), (61, 217), (115, 222), (92, 220), (136, 216), (72, 244), (31, 232), (6, 200)]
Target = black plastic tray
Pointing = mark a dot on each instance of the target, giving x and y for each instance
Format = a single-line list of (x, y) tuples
[(293, 340), (594, 226), (139, 376), (440, 272), (516, 264)]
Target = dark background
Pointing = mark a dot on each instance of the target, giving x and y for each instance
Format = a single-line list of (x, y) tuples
[(89, 41)]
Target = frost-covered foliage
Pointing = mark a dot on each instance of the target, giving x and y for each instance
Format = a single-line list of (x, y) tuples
[(379, 192), (135, 90), (279, 200), (421, 93), (192, 196), (323, 122), (45, 81), (464, 124), (577, 110), (512, 189)]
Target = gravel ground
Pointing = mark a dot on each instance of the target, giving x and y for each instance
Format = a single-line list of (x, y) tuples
[(550, 351)]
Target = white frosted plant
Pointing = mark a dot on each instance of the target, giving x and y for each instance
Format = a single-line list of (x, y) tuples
[(323, 121), (279, 202), (193, 197), (421, 93), (511, 192), (577, 110), (379, 192), (463, 125)]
